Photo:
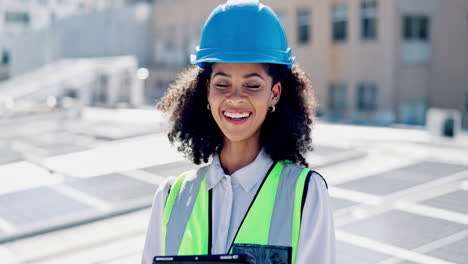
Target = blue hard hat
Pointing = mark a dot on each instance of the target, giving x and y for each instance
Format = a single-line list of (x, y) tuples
[(243, 31)]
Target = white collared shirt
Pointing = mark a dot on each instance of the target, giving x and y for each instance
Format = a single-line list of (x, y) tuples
[(232, 195)]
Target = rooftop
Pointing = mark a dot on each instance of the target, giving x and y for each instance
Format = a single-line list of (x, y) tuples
[(399, 195)]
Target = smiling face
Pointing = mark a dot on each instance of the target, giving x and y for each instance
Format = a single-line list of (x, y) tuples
[(239, 95)]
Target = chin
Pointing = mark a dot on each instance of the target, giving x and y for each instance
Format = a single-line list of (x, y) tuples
[(238, 136)]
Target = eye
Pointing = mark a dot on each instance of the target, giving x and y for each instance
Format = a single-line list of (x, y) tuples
[(221, 85), (253, 86)]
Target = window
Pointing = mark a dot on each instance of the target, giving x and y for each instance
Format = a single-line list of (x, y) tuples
[(303, 26), (416, 28), (71, 92), (5, 57), (337, 98), (125, 87), (367, 97), (17, 18), (339, 22), (416, 47), (413, 112), (369, 20), (466, 101), (99, 95)]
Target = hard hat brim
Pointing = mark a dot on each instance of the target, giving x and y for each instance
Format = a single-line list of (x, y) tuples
[(242, 57)]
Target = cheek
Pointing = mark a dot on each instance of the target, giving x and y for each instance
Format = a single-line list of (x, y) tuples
[(213, 99), (262, 100)]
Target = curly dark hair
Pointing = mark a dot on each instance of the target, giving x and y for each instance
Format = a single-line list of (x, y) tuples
[(285, 133)]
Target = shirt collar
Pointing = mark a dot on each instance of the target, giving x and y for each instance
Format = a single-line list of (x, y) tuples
[(247, 176)]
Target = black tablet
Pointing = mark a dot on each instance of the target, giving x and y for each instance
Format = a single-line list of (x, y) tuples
[(202, 259)]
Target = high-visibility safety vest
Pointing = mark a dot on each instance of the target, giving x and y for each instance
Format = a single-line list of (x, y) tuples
[(273, 218)]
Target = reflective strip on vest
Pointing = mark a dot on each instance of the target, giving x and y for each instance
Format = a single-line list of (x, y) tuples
[(187, 205), (274, 217)]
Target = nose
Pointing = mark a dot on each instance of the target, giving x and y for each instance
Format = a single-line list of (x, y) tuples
[(236, 96)]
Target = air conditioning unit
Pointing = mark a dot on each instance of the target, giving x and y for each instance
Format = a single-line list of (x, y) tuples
[(443, 122)]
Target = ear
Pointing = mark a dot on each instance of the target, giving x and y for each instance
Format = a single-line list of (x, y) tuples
[(276, 93)]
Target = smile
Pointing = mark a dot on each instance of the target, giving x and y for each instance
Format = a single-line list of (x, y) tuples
[(236, 118), (237, 115)]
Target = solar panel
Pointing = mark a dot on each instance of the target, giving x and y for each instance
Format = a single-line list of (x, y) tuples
[(403, 229), (39, 205), (171, 169), (8, 155), (113, 188), (347, 253), (403, 178), (323, 150), (454, 201), (339, 203), (62, 148), (456, 252)]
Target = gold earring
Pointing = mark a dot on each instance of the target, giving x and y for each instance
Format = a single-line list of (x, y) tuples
[(272, 109), (208, 107)]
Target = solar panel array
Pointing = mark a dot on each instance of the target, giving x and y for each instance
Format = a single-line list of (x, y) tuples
[(402, 209)]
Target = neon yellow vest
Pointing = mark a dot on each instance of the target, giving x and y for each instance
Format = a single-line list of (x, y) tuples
[(281, 190)]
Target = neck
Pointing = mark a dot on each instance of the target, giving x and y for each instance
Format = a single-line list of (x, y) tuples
[(236, 155)]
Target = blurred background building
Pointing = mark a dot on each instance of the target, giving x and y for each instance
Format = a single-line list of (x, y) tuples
[(371, 62), (36, 36), (374, 62)]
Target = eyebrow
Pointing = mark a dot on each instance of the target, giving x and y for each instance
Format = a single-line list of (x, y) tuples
[(245, 76)]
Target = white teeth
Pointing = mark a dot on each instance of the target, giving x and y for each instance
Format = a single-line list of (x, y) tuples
[(236, 115)]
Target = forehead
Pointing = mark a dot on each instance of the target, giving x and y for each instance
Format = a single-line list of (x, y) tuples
[(234, 69)]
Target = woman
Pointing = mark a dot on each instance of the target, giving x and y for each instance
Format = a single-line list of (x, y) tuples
[(246, 108)]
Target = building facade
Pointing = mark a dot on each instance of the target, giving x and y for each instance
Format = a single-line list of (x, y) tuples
[(30, 21), (118, 31), (371, 61), (31, 15), (22, 17)]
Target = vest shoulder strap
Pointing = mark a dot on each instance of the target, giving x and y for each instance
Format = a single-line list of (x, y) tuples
[(274, 217), (179, 206)]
